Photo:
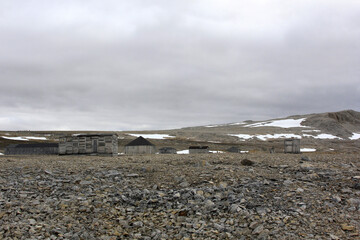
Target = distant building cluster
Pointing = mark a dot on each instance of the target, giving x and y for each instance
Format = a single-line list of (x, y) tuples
[(107, 145)]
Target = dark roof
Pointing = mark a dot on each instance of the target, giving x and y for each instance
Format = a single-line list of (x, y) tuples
[(198, 147), (140, 141), (33, 145)]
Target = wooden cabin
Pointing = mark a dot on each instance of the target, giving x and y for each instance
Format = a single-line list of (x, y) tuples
[(140, 146)]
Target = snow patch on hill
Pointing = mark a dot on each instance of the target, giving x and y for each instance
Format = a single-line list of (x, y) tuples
[(152, 136), (285, 123), (24, 138), (265, 137), (278, 135), (243, 137), (323, 136), (355, 136)]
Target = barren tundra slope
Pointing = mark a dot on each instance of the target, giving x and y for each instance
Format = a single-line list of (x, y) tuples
[(209, 196)]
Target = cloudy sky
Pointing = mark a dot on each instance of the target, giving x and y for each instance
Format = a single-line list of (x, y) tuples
[(134, 65)]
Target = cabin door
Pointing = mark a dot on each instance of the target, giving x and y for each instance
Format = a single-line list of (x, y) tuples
[(95, 145)]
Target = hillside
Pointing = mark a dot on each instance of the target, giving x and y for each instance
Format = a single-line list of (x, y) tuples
[(323, 131)]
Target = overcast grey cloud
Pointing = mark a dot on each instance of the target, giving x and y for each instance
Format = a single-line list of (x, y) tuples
[(116, 65)]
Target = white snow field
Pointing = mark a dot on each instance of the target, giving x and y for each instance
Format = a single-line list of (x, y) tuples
[(152, 136), (16, 138), (285, 123), (355, 136)]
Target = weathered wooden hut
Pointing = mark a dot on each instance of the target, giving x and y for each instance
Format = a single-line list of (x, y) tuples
[(198, 149), (102, 144), (292, 145), (32, 149), (234, 150), (140, 146), (167, 150)]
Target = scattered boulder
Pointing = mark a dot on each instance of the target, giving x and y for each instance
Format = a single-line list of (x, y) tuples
[(305, 158), (246, 162)]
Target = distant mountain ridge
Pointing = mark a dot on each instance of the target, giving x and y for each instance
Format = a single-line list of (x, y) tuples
[(342, 123)]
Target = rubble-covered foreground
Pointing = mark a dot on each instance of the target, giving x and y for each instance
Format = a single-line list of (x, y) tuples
[(210, 196)]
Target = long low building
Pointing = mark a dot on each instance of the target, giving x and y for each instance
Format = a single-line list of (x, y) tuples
[(101, 144), (32, 149)]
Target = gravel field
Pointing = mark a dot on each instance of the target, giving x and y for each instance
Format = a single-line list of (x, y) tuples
[(206, 196)]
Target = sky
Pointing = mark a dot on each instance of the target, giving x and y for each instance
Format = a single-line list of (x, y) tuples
[(145, 65)]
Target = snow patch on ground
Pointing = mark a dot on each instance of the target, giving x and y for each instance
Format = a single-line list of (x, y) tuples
[(355, 136), (152, 136), (243, 137), (277, 135), (183, 151), (24, 138), (216, 151), (307, 150), (311, 130), (324, 136), (244, 151), (285, 123), (1, 154)]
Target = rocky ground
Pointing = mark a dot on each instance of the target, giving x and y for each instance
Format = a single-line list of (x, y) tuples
[(209, 196)]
